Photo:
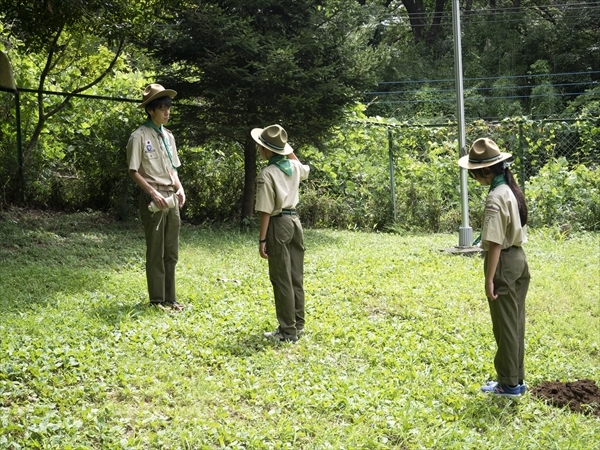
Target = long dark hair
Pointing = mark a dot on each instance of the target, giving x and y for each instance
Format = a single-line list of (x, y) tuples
[(498, 169)]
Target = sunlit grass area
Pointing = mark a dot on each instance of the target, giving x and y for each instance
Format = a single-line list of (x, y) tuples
[(398, 342)]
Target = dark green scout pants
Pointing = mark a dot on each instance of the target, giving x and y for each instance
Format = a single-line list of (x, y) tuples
[(162, 248), (511, 283), (285, 247)]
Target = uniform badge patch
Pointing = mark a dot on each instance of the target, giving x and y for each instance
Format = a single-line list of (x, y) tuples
[(149, 147), (259, 185)]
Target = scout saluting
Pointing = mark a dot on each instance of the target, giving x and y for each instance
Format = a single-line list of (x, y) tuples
[(281, 239), (505, 265)]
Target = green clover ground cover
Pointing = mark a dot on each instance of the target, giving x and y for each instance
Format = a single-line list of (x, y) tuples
[(398, 342)]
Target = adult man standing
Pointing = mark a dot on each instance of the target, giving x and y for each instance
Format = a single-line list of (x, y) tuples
[(153, 163)]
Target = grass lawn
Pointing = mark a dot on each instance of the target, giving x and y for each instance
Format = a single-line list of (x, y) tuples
[(398, 342)]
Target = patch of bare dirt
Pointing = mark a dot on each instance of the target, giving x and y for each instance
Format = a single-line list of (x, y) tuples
[(581, 396)]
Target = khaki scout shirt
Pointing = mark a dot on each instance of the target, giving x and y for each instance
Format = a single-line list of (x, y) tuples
[(501, 222), (147, 155), (276, 190)]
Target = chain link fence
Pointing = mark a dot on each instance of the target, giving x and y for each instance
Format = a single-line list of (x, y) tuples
[(381, 175), (532, 143), (535, 143)]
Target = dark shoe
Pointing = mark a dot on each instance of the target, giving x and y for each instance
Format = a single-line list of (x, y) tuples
[(280, 336), (177, 307), (173, 306)]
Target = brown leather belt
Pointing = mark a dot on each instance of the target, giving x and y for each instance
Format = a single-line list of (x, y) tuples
[(163, 187)]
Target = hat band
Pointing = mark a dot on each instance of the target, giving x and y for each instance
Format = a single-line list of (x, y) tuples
[(271, 145), (485, 160)]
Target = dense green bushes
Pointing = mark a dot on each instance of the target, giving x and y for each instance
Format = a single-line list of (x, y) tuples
[(350, 183), (566, 198), (213, 177), (81, 165)]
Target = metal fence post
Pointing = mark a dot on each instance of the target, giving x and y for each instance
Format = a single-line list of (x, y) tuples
[(522, 157), (465, 232), (392, 182)]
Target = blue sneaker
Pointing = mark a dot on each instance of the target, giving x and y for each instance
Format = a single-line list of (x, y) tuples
[(502, 390), (491, 385)]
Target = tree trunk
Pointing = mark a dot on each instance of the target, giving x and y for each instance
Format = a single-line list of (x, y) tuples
[(416, 16), (249, 178), (436, 21)]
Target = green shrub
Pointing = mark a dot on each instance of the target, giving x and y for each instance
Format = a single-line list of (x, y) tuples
[(213, 177), (569, 198), (349, 185)]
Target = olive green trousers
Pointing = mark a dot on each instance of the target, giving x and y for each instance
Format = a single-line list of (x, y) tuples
[(285, 247), (511, 282), (161, 229)]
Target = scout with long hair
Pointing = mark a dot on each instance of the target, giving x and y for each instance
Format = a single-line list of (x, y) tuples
[(505, 265)]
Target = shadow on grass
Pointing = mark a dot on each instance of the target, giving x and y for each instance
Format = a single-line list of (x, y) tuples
[(43, 254), (243, 347), (114, 313)]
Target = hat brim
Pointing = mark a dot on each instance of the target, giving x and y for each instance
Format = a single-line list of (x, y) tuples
[(256, 132), (466, 164), (166, 93)]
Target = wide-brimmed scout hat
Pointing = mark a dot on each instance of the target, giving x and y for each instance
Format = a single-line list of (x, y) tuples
[(483, 153), (273, 137), (154, 91)]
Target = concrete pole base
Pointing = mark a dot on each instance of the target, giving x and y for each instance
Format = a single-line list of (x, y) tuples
[(465, 237)]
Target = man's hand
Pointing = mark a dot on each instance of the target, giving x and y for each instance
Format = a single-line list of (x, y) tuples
[(159, 200), (181, 196)]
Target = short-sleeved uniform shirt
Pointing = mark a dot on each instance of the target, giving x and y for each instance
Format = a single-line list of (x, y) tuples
[(276, 190), (501, 222), (147, 155)]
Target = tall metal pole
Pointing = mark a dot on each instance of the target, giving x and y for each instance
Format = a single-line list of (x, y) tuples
[(19, 147), (465, 236)]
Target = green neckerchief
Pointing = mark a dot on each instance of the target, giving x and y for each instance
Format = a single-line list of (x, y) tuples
[(497, 181), (148, 123), (283, 163)]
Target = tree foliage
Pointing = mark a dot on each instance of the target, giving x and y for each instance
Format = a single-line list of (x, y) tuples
[(36, 23), (74, 147), (73, 46), (500, 39), (244, 64), (240, 64)]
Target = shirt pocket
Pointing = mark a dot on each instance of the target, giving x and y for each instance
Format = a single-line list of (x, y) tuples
[(152, 163)]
